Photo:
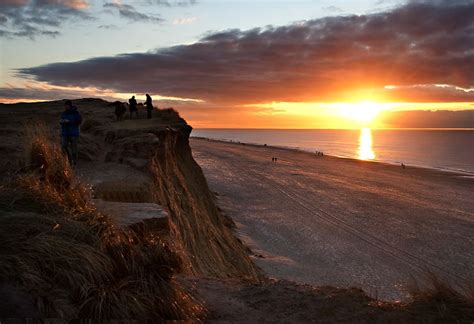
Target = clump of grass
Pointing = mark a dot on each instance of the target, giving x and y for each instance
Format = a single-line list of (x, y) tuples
[(72, 259), (90, 124), (440, 301), (50, 180)]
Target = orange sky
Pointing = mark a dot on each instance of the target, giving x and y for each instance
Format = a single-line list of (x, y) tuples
[(364, 109), (340, 71), (308, 115)]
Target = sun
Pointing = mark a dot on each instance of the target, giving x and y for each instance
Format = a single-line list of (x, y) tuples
[(362, 112)]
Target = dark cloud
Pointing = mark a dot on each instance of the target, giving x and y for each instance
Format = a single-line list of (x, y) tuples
[(430, 93), (28, 31), (108, 26), (428, 119), (32, 18), (420, 43), (129, 12), (12, 93), (3, 19), (38, 93)]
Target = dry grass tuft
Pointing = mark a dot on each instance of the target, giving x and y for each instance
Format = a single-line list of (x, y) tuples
[(73, 260), (169, 115), (50, 180), (441, 302), (90, 124)]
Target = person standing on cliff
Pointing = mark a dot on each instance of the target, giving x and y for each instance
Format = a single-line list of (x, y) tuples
[(133, 107), (149, 106), (70, 121)]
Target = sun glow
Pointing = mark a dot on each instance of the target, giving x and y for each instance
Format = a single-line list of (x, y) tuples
[(353, 115), (356, 114), (362, 112)]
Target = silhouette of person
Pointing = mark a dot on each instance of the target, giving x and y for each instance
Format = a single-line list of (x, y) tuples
[(70, 121), (133, 107), (149, 106), (119, 109)]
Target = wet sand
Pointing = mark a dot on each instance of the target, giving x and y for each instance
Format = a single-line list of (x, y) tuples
[(341, 222)]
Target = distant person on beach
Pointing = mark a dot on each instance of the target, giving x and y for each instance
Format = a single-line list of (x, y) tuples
[(133, 107), (149, 106), (70, 121)]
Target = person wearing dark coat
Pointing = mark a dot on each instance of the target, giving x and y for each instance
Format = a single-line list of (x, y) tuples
[(70, 121), (149, 106), (133, 107), (119, 109)]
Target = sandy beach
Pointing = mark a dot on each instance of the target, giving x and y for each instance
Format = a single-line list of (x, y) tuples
[(341, 222)]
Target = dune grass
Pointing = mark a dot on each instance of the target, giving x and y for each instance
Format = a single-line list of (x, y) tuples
[(439, 301), (74, 261)]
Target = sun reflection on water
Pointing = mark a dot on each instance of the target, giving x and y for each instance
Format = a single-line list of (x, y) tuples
[(365, 151)]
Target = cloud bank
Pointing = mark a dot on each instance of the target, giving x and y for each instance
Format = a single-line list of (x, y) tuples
[(415, 48), (428, 119), (32, 18), (129, 12)]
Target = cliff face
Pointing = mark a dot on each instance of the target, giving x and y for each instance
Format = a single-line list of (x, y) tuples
[(209, 246), (198, 231), (159, 148)]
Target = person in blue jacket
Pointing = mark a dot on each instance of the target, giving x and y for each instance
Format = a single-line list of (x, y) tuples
[(70, 121)]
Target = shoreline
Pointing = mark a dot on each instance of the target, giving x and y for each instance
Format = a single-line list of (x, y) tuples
[(461, 173)]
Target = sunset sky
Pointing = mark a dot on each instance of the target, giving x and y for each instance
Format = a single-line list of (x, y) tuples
[(261, 63)]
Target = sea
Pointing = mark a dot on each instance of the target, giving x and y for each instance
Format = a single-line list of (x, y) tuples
[(444, 149)]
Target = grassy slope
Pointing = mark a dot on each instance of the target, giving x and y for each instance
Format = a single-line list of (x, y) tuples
[(71, 260)]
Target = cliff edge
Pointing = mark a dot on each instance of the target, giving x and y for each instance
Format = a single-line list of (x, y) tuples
[(139, 197)]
